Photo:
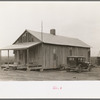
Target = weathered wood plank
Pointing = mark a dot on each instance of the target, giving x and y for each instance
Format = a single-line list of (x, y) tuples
[(8, 57), (27, 58), (0, 59)]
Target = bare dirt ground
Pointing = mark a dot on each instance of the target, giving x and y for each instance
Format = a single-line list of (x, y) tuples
[(48, 75)]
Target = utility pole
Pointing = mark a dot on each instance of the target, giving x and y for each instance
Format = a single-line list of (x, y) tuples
[(42, 58), (42, 31)]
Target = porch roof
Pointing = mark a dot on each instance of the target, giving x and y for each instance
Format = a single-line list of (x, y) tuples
[(20, 46)]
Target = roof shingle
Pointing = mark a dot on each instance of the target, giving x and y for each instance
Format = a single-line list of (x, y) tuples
[(59, 40)]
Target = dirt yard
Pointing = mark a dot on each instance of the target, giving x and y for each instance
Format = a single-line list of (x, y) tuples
[(48, 75)]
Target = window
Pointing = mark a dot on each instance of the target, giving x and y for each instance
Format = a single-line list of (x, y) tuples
[(54, 51), (30, 38), (24, 37), (54, 54), (80, 59), (70, 52), (71, 59), (89, 55)]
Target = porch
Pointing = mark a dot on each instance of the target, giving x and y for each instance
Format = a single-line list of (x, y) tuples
[(21, 52)]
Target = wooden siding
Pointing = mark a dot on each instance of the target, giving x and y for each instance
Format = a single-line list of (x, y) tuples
[(26, 37), (52, 55), (35, 55), (56, 55)]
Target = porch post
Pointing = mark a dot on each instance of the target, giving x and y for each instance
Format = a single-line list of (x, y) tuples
[(0, 58), (17, 57), (27, 59), (42, 58), (8, 58)]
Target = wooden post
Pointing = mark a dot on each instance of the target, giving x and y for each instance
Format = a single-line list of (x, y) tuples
[(0, 58), (8, 58), (42, 58), (27, 59), (42, 46), (17, 57)]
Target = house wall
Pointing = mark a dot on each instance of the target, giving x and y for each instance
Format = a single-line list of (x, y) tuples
[(20, 56), (34, 52), (52, 55), (35, 55), (26, 37), (56, 55)]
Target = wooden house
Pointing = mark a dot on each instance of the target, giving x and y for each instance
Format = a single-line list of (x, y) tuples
[(46, 49)]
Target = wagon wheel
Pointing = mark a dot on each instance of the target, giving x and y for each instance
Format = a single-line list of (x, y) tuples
[(79, 68)]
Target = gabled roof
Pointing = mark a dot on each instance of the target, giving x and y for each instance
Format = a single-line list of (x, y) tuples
[(58, 40)]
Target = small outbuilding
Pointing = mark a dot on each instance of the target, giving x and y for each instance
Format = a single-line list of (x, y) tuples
[(46, 50)]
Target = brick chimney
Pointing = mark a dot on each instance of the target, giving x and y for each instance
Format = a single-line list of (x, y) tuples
[(53, 31)]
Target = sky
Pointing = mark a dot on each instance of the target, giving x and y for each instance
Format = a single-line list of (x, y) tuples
[(71, 19)]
